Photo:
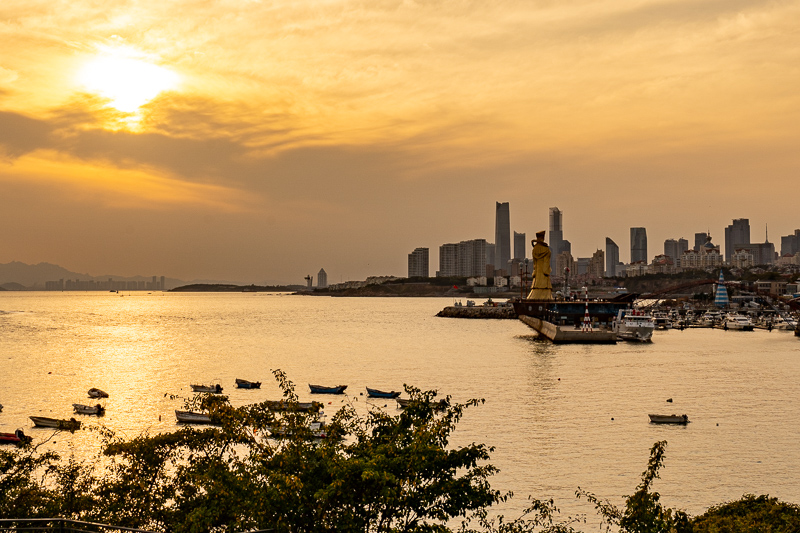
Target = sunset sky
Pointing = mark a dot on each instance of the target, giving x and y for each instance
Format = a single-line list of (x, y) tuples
[(259, 141)]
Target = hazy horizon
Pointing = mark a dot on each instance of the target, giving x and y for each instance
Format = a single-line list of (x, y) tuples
[(258, 141)]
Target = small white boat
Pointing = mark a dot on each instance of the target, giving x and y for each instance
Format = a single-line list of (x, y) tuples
[(97, 393), (214, 389), (737, 322), (632, 325), (669, 419), (56, 423), (81, 409), (191, 417)]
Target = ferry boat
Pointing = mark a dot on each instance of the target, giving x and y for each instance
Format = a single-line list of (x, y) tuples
[(632, 325), (571, 312)]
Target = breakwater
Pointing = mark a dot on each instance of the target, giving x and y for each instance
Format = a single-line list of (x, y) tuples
[(478, 311)]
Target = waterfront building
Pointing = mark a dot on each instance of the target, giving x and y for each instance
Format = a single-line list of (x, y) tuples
[(448, 260), (467, 258), (638, 245), (417, 264), (322, 276), (736, 234), (502, 236), (612, 258), (520, 246)]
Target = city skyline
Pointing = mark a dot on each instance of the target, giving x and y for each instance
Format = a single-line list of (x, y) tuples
[(259, 142)]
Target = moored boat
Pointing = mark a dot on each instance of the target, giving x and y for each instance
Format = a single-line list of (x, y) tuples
[(283, 405), (669, 419), (632, 325), (317, 430), (440, 405), (18, 437), (737, 322), (213, 389), (375, 393), (81, 409), (192, 417), (55, 423), (97, 393), (245, 384), (319, 389)]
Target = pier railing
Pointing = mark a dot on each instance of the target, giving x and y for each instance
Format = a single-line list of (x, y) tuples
[(62, 525)]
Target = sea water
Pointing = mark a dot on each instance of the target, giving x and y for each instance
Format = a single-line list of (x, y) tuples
[(559, 417)]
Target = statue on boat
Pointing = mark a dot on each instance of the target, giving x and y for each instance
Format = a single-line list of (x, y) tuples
[(541, 289)]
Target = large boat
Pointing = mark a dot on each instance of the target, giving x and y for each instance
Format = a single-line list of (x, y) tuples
[(572, 312), (319, 389), (737, 322), (632, 325), (669, 419), (55, 423)]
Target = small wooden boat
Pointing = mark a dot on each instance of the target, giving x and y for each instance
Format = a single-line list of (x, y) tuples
[(375, 393), (318, 430), (97, 393), (214, 389), (55, 423), (283, 405), (319, 389), (669, 419), (81, 409), (191, 417), (18, 437), (244, 384), (441, 405)]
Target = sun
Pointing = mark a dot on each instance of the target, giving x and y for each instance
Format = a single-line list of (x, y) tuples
[(126, 78)]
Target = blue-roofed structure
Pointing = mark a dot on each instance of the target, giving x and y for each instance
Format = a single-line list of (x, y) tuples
[(721, 297)]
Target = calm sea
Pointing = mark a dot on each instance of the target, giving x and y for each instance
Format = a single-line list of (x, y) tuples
[(559, 417)]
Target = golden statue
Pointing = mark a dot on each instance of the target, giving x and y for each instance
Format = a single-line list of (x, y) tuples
[(541, 288)]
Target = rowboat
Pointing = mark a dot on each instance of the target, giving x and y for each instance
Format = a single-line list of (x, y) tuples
[(318, 430), (97, 393), (191, 417), (244, 384), (45, 422), (441, 405), (319, 389), (669, 419), (18, 437), (283, 405), (375, 393), (214, 389), (81, 409)]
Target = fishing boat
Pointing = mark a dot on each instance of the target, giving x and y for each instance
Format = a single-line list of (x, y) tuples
[(55, 423), (97, 393), (669, 419), (192, 417), (244, 384), (213, 389), (317, 430), (18, 437), (319, 389), (375, 393), (632, 325), (283, 405), (402, 403), (81, 409)]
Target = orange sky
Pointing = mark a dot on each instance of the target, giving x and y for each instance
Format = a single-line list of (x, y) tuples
[(260, 141)]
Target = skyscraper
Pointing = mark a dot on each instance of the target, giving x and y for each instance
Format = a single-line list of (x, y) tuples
[(418, 263), (638, 245), (699, 241), (502, 236), (448, 260), (612, 258), (556, 237), (520, 246), (736, 234), (322, 278)]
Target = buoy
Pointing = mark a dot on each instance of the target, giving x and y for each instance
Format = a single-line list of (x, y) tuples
[(612, 418), (669, 400), (559, 379), (159, 418)]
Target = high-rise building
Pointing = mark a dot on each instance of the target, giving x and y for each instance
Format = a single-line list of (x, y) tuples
[(612, 258), (418, 263), (556, 237), (520, 246), (674, 249), (467, 258), (699, 241), (322, 278), (638, 245), (596, 264), (736, 235), (502, 236), (790, 244), (448, 260)]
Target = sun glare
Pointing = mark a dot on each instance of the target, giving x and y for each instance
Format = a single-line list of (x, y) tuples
[(124, 79)]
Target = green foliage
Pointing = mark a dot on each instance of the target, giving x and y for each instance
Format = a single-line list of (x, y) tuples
[(750, 514)]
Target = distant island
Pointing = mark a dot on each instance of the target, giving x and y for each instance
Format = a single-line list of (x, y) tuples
[(225, 287)]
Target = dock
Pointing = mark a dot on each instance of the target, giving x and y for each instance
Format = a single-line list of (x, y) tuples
[(569, 334)]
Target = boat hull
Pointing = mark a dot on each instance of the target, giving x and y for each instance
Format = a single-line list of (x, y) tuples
[(244, 384), (97, 393), (211, 389), (81, 409), (563, 312), (319, 389), (375, 393), (281, 405), (55, 423), (669, 419), (190, 417)]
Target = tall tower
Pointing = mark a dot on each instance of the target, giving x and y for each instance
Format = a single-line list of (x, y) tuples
[(638, 245), (736, 234), (612, 258), (418, 263), (520, 246), (502, 236), (556, 236), (322, 278)]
